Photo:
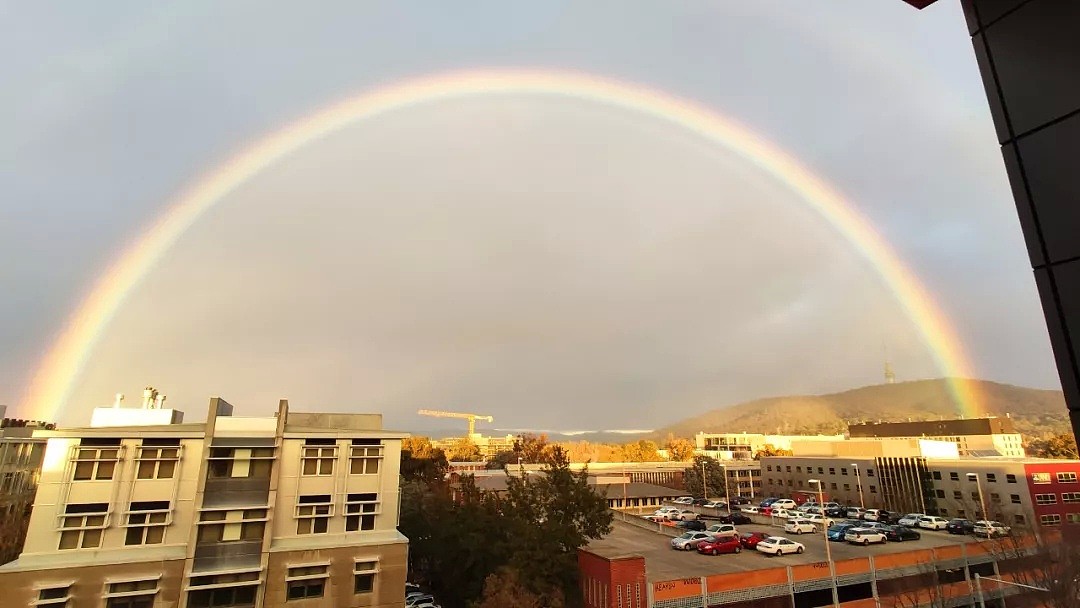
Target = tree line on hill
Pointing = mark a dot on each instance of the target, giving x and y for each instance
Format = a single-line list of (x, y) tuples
[(518, 548)]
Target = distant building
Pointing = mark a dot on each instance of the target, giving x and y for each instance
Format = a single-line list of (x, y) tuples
[(743, 446), (231, 512), (990, 436), (21, 457), (489, 447)]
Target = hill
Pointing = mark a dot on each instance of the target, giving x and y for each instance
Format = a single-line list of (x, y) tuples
[(1035, 412)]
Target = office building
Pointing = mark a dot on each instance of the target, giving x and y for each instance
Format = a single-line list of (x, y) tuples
[(743, 446), (238, 512), (990, 436), (20, 463)]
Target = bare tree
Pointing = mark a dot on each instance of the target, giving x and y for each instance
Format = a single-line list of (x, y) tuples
[(1042, 560)]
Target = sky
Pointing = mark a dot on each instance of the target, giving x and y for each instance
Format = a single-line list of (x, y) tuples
[(556, 263)]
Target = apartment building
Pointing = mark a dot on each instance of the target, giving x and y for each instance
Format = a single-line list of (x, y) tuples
[(297, 509), (743, 446), (20, 463), (991, 436)]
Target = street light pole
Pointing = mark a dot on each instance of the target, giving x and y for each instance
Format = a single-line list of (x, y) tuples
[(727, 492), (704, 484), (982, 502), (858, 484), (828, 548)]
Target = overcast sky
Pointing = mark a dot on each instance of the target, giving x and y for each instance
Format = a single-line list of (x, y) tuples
[(557, 263)]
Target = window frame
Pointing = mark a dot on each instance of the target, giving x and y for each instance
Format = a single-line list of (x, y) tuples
[(155, 454), (247, 516), (77, 458), (303, 575), (148, 526), (371, 571), (321, 456), (1050, 519), (1063, 477), (361, 455), (53, 601), (313, 514), (355, 511), (83, 527), (1043, 500)]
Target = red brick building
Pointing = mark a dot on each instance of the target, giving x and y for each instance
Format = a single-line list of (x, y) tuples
[(1055, 492), (613, 581)]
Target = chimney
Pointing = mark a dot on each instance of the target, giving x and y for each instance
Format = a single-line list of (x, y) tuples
[(149, 394), (160, 402), (119, 398)]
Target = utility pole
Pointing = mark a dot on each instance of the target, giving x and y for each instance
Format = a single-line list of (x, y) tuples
[(704, 484), (828, 548)]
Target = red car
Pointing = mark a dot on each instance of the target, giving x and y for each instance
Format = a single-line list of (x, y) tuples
[(751, 541), (720, 545)]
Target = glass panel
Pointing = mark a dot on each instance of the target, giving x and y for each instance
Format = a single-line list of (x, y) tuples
[(69, 540), (166, 469), (155, 534), (105, 470), (83, 470), (146, 469), (91, 538)]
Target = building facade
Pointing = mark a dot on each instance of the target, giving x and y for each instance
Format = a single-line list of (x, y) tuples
[(21, 455), (237, 512), (743, 446), (990, 436)]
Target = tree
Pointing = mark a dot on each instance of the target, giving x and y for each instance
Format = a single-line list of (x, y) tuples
[(422, 462), (770, 450), (640, 451), (533, 449), (1038, 561), (505, 590), (716, 482), (464, 450), (1061, 446), (13, 532), (679, 449)]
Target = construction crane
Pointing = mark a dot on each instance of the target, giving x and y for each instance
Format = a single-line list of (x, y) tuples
[(472, 418)]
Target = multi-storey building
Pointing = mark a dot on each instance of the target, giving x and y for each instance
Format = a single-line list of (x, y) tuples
[(743, 446), (20, 463), (238, 512), (990, 436)]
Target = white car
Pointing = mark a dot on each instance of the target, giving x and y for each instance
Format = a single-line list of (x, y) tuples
[(799, 526), (690, 540), (871, 514), (806, 506), (864, 536), (819, 519), (911, 520), (778, 545), (684, 500), (715, 504), (723, 531), (785, 513), (855, 512), (930, 522), (666, 512), (784, 503), (416, 601), (685, 515), (990, 529), (750, 509), (830, 505)]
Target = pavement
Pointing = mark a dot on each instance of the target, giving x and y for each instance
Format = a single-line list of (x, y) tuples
[(664, 563)]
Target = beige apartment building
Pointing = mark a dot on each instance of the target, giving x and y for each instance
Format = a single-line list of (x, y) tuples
[(990, 436), (20, 463), (234, 512)]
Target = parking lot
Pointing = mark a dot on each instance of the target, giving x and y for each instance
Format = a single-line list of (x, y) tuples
[(664, 563)]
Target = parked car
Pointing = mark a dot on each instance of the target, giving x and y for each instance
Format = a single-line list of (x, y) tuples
[(806, 506), (888, 517), (990, 529), (684, 500), (818, 519), (740, 500), (664, 511), (911, 519), (854, 512), (873, 525), (836, 511), (750, 509), (691, 524), (836, 532), (930, 522), (734, 518), (723, 531), (720, 545), (784, 503), (799, 526), (871, 514), (960, 526), (778, 545), (416, 601), (751, 541), (900, 533), (830, 505), (684, 515), (700, 502), (715, 504), (689, 540), (864, 536), (767, 502)]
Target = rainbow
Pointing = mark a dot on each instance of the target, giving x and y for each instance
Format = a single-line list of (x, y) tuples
[(55, 377)]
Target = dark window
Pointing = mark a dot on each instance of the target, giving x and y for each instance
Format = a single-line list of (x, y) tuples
[(869, 472), (1015, 498), (951, 575), (798, 469), (937, 475), (303, 589), (954, 476), (843, 471), (986, 569), (991, 477), (821, 470), (849, 593), (226, 597), (1010, 478), (940, 493), (814, 599), (832, 470), (958, 495)]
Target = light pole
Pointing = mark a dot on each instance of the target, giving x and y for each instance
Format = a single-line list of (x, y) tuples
[(727, 492), (704, 484), (982, 599), (858, 484), (982, 503), (828, 549)]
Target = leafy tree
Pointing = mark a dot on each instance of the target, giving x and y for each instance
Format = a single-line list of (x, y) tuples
[(464, 450), (1062, 446), (770, 450), (505, 590), (715, 479), (640, 451), (422, 462), (679, 449), (13, 532), (533, 449)]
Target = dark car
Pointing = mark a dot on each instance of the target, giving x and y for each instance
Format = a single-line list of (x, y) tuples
[(768, 502), (901, 533), (691, 524), (735, 518), (888, 517), (836, 532), (740, 500), (960, 526), (699, 501), (750, 541), (836, 512)]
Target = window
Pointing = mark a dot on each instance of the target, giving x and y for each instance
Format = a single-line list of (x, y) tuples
[(131, 594), (82, 525), (240, 462), (961, 513), (975, 495), (941, 493), (798, 469), (1066, 477), (53, 596), (843, 471), (770, 468), (789, 468), (224, 590), (957, 495), (217, 526), (1014, 498), (770, 481), (991, 477), (1046, 499), (994, 497), (364, 459), (1052, 519), (318, 457), (157, 458), (833, 484), (1040, 478), (847, 486), (821, 470), (1073, 518), (1010, 478), (789, 483), (305, 582), (146, 522), (364, 576), (1020, 519), (313, 514), (832, 470), (1070, 497), (954, 476), (360, 511), (94, 461), (873, 489), (937, 475)]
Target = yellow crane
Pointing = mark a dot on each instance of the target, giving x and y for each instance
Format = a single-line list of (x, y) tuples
[(472, 418)]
